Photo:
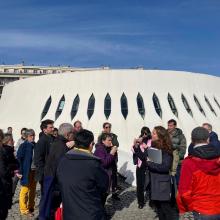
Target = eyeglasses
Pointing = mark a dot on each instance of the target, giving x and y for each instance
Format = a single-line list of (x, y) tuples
[(107, 127)]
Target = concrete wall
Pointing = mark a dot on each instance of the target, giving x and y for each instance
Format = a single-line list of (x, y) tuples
[(23, 101)]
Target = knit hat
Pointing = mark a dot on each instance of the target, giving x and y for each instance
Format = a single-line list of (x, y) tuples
[(199, 134)]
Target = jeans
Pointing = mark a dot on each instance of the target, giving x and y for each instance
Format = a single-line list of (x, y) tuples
[(198, 216)]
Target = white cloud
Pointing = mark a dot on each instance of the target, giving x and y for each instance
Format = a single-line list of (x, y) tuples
[(9, 39)]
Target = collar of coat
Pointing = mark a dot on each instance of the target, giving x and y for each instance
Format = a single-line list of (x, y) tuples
[(81, 154), (83, 150)]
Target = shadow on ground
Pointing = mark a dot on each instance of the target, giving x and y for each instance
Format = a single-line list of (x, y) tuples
[(127, 198)]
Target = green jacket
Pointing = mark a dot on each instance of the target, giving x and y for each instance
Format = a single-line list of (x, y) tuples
[(179, 147)]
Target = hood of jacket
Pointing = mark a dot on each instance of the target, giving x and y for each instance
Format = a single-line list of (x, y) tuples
[(206, 151), (176, 132), (207, 158), (210, 167)]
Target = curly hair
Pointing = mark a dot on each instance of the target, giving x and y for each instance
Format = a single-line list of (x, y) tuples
[(164, 141), (104, 136)]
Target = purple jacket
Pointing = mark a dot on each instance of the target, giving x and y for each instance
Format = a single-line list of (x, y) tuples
[(106, 158)]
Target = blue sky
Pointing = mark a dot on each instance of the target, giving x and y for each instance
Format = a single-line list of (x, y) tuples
[(171, 34)]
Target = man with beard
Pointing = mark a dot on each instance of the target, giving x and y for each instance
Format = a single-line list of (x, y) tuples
[(179, 147), (42, 149)]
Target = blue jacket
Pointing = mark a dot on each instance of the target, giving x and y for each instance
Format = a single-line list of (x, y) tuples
[(213, 137), (25, 156)]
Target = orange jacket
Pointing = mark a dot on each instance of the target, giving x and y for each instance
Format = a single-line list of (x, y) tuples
[(199, 186)]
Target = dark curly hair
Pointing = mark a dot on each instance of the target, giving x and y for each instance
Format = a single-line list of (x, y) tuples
[(164, 141)]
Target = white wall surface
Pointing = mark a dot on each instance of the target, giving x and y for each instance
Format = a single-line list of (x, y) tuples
[(22, 102)]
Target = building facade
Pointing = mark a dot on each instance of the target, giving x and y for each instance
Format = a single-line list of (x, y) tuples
[(129, 99), (10, 73)]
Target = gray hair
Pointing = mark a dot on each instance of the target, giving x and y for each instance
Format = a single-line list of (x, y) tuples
[(65, 128), (7, 138), (29, 132)]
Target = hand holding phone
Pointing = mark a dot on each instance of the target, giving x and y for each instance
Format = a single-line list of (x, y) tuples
[(113, 150)]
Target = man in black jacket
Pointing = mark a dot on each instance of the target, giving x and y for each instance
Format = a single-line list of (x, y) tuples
[(3, 180), (8, 164), (42, 149), (213, 137), (82, 180), (51, 198), (65, 134), (3, 184)]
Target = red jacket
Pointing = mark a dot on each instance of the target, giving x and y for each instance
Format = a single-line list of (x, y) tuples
[(199, 187)]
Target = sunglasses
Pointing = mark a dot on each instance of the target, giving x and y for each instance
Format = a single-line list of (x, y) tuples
[(107, 127)]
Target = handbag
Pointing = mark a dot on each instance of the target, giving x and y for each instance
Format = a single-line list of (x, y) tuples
[(160, 186)]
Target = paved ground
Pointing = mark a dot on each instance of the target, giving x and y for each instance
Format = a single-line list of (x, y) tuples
[(125, 209)]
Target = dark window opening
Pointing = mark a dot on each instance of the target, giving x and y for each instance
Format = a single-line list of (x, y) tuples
[(157, 105), (107, 106), (60, 107), (217, 103), (46, 107), (210, 106), (186, 105), (172, 105), (199, 106), (75, 107), (140, 105), (124, 106), (91, 106)]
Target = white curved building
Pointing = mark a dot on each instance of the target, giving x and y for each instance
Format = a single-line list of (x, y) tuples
[(129, 99)]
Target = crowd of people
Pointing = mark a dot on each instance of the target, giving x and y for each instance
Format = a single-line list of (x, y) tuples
[(76, 175)]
